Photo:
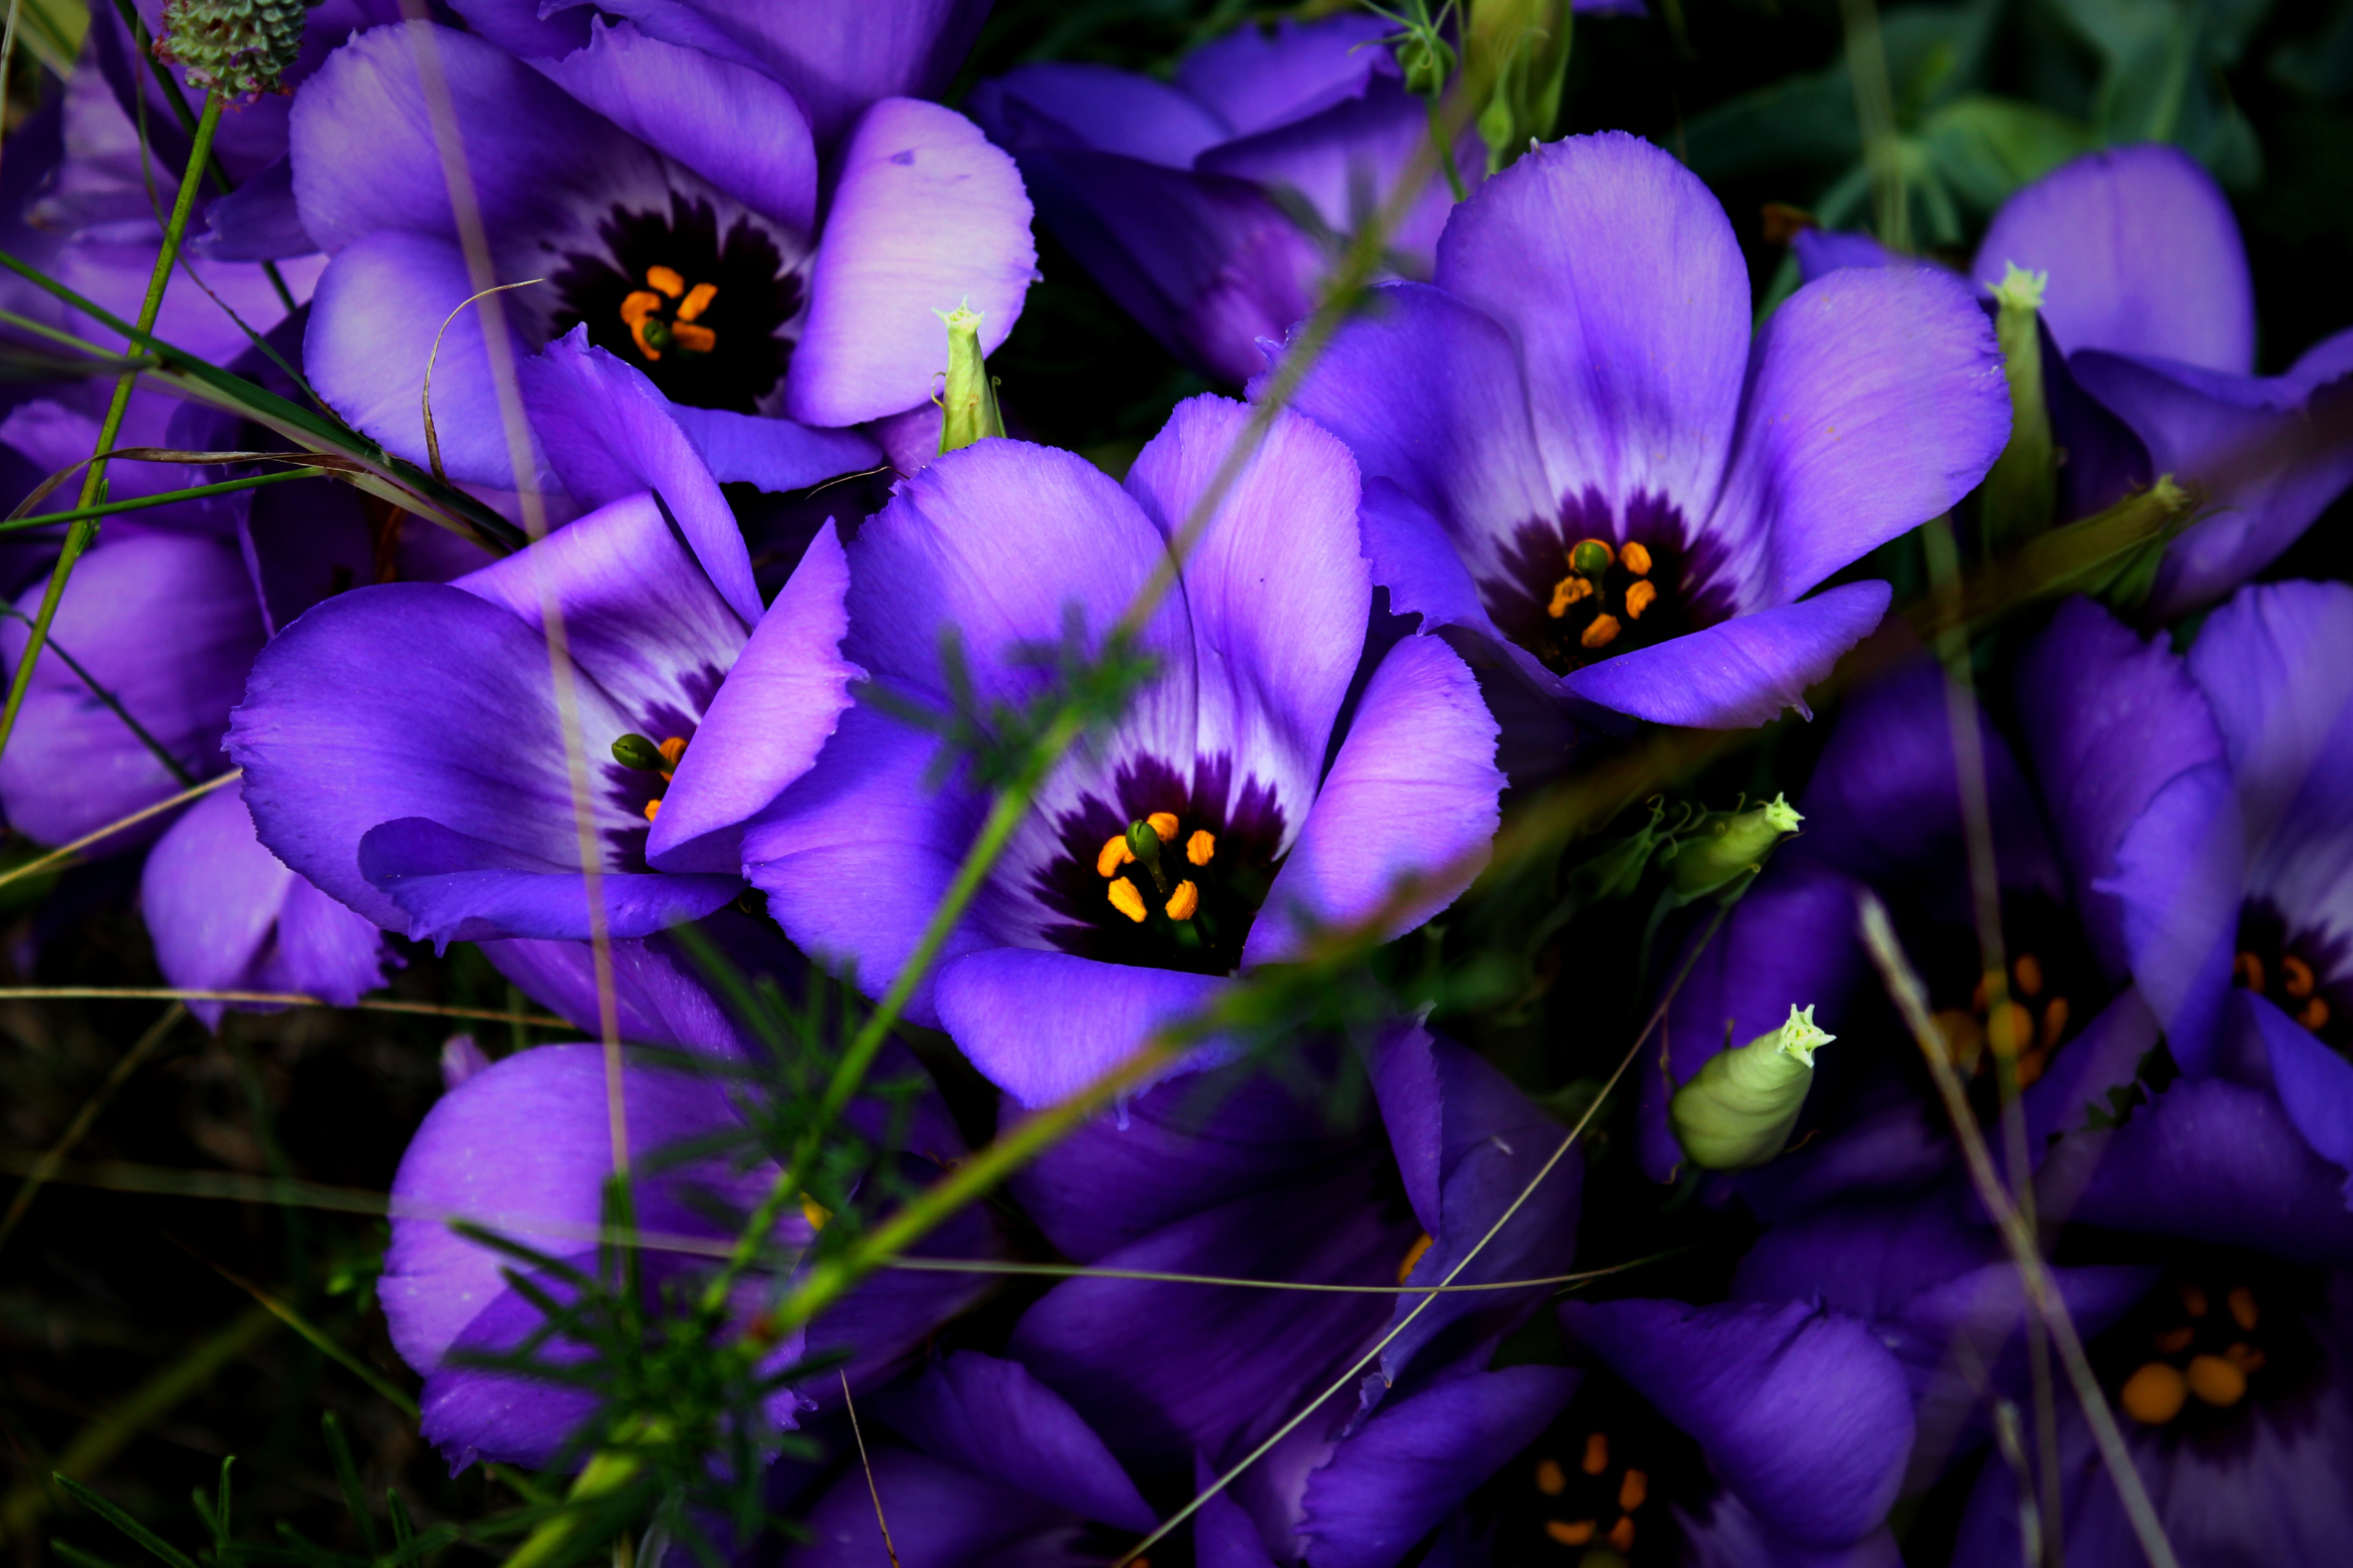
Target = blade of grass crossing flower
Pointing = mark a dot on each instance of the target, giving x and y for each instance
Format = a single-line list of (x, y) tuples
[(114, 705), (108, 509), (126, 1064), (1910, 995), (94, 486), (1984, 885), (850, 1406), (65, 852)]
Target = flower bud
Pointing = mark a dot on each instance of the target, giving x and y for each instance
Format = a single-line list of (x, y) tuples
[(636, 751), (1517, 51), (240, 49), (2022, 490), (1727, 845), (969, 400), (1737, 1110), (1143, 841)]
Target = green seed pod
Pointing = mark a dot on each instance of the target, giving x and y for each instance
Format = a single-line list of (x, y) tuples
[(1590, 556), (969, 400), (240, 49), (636, 751), (1731, 844), (1739, 1109)]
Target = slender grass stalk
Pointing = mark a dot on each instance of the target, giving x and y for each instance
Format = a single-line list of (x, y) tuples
[(1910, 995), (64, 853), (108, 509), (93, 485), (275, 999)]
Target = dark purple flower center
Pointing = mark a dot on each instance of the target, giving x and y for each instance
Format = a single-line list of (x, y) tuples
[(2223, 1333), (1600, 1486), (697, 313), (2051, 991), (1572, 594), (2294, 972), (1170, 873)]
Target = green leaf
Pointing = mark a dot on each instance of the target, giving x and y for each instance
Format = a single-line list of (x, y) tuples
[(155, 1544), (1984, 149)]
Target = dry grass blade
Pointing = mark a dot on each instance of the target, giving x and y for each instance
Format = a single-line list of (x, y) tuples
[(850, 1406), (1911, 998), (274, 999), (65, 852)]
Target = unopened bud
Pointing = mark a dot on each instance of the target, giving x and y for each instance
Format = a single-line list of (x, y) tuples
[(1516, 55), (240, 49), (968, 402), (1731, 844), (1739, 1109), (2022, 489), (636, 751)]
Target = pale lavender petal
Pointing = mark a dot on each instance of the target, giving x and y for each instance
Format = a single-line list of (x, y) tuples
[(1044, 1025), (926, 216)]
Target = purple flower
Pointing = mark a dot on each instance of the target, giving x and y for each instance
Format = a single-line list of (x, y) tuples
[(1259, 828), (2206, 1264), (1577, 458), (1257, 1176), (662, 177), (446, 1295), (1213, 205), (2232, 882), (2150, 303), (404, 745), (1713, 1434)]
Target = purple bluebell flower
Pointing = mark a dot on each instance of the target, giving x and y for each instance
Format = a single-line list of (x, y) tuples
[(1737, 1433), (435, 710), (2229, 884), (446, 1295), (1578, 460), (1268, 1176), (662, 177), (1255, 827), (1212, 206), (2204, 1258), (2150, 304)]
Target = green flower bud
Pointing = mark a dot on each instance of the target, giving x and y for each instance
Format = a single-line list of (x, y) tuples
[(969, 400), (1739, 1109), (1427, 61), (1590, 556), (2022, 490), (1143, 842), (636, 751), (1517, 53), (1729, 845), (240, 49)]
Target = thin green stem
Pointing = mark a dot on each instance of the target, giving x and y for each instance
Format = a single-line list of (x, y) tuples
[(93, 484), (139, 503)]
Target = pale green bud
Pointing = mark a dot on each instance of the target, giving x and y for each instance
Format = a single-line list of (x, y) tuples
[(237, 48), (1731, 844), (1739, 1109), (1517, 55), (2022, 490), (969, 400)]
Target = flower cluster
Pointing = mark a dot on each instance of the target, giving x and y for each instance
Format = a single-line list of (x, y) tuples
[(1198, 996)]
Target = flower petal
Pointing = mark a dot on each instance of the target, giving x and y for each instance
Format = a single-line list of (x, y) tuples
[(2109, 719), (1274, 584), (1741, 672), (1799, 1410), (1209, 265), (461, 728), (767, 721), (1070, 103), (1253, 77), (1413, 793), (2178, 886), (2143, 254), (777, 455), (738, 128), (167, 626), (380, 303), (925, 216), (609, 433), (458, 888), (1394, 1478), (640, 616), (947, 1518), (226, 915), (1044, 1025), (1875, 401), (993, 1418), (1634, 350), (2316, 1085)]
